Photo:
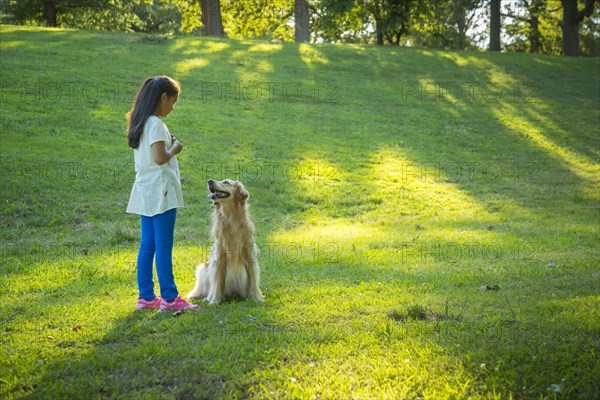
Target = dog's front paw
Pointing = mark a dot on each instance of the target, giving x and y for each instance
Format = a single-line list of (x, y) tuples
[(213, 300), (258, 297)]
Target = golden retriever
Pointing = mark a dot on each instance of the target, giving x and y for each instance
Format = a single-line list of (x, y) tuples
[(232, 268)]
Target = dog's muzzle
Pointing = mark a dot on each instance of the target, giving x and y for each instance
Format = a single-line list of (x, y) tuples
[(215, 193)]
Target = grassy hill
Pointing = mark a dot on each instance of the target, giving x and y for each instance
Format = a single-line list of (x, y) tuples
[(428, 221)]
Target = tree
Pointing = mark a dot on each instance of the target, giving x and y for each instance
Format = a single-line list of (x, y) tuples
[(50, 12), (535, 8), (212, 23), (340, 21), (374, 7), (301, 21), (444, 23), (463, 15), (527, 16), (356, 21), (391, 18), (47, 11), (533, 25), (572, 18), (589, 33), (258, 19), (494, 25)]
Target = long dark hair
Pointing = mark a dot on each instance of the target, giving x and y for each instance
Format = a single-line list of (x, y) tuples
[(145, 103)]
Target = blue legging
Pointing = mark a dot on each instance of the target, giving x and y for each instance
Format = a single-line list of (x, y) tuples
[(157, 238)]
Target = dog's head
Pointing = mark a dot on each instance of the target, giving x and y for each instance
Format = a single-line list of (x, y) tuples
[(227, 190)]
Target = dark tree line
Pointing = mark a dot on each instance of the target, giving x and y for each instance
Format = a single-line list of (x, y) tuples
[(569, 27)]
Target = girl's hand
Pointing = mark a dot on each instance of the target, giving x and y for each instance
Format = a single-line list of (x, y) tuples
[(161, 155), (176, 147)]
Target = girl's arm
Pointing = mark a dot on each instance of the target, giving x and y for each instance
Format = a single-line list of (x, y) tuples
[(162, 155)]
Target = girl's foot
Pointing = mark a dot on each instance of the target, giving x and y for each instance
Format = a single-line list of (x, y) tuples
[(177, 304), (144, 304)]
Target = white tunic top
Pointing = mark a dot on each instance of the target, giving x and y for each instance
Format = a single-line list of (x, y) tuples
[(157, 188)]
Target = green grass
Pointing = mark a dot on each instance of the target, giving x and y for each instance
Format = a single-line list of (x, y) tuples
[(428, 221)]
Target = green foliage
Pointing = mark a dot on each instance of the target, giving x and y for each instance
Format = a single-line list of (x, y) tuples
[(444, 24), (589, 34), (438, 23), (551, 34), (160, 17), (413, 23), (258, 19), (27, 12), (190, 15), (115, 15), (340, 21), (151, 16), (549, 13)]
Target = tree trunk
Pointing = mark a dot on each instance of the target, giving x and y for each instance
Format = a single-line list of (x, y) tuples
[(212, 24), (375, 10), (301, 21), (534, 34), (461, 23), (379, 37), (570, 28), (50, 12), (494, 25), (572, 17), (535, 9), (389, 38)]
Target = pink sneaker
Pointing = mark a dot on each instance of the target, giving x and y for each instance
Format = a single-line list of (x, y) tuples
[(178, 304), (144, 304)]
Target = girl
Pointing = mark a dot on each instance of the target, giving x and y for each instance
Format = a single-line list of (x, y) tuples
[(156, 192)]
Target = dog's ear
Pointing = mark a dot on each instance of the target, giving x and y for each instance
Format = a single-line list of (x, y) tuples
[(241, 194)]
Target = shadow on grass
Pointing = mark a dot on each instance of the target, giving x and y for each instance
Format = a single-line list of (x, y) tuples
[(195, 355)]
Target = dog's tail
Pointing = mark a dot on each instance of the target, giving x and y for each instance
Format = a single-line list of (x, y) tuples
[(198, 291)]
